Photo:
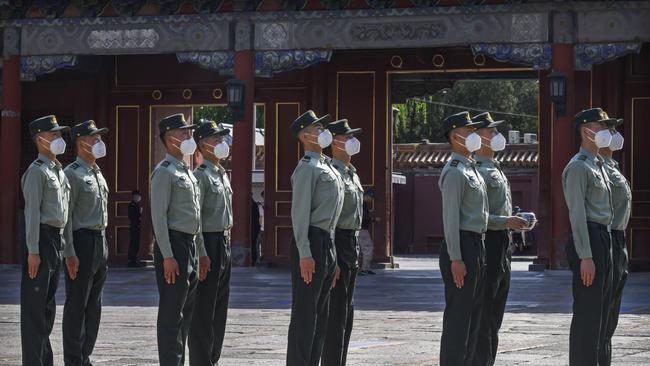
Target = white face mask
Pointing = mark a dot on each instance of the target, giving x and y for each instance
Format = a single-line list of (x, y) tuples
[(617, 142), (57, 146), (222, 150), (352, 146), (472, 141), (498, 142), (325, 139), (601, 138), (187, 147), (98, 149)]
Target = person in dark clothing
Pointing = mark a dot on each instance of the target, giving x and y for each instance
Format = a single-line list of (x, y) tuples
[(135, 212), (255, 230), (365, 240)]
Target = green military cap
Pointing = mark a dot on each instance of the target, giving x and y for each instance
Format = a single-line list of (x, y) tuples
[(486, 120), (307, 119), (207, 128), (458, 120), (44, 124), (175, 121), (341, 127), (595, 115), (87, 128)]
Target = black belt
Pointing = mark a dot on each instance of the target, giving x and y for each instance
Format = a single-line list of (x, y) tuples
[(51, 229), (597, 226), (95, 232), (349, 232), (480, 236)]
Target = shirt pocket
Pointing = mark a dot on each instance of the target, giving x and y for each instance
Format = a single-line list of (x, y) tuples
[(183, 182), (53, 183), (473, 182), (216, 186), (89, 185), (495, 180), (598, 182), (325, 177)]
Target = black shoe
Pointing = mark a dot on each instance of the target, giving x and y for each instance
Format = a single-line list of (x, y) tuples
[(362, 273), (370, 272)]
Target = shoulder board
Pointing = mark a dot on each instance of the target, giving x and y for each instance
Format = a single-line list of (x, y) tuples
[(306, 158), (74, 165), (454, 162), (38, 162), (202, 167), (479, 163), (165, 164), (582, 157)]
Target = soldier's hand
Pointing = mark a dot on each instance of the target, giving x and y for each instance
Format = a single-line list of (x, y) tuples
[(516, 223), (337, 275), (204, 267), (307, 269), (33, 262), (171, 270), (73, 266), (587, 271), (458, 271)]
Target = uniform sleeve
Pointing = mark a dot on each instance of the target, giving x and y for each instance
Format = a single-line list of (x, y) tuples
[(302, 183), (33, 185), (575, 182), (498, 221), (160, 197), (452, 195), (68, 250), (200, 245)]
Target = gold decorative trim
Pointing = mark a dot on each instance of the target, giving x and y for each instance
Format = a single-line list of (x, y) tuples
[(187, 94), (438, 60), (479, 60), (116, 203), (275, 235), (277, 132), (631, 242), (396, 61), (156, 94), (115, 227), (117, 144), (276, 209), (631, 137), (217, 93), (374, 107)]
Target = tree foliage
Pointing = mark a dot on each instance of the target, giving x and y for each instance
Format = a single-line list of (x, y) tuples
[(421, 118)]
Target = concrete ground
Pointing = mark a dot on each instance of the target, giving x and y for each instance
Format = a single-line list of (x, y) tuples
[(398, 318)]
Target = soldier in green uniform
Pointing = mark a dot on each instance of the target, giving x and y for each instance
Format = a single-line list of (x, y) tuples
[(85, 253), (176, 220), (497, 238), (46, 191), (317, 200), (588, 197), (462, 255), (341, 308), (211, 309), (622, 203)]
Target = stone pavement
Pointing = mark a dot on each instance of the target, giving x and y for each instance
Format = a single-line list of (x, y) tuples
[(398, 318)]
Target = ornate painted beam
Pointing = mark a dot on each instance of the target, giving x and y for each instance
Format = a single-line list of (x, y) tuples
[(535, 55)]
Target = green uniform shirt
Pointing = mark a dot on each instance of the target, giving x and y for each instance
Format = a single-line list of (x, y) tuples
[(316, 200), (352, 211), (47, 193), (498, 192), (175, 202), (586, 191), (88, 201), (621, 194), (216, 201), (464, 201)]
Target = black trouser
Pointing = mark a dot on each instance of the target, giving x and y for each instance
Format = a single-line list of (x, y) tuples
[(497, 285), (590, 304), (341, 308), (462, 314), (310, 302), (619, 277), (209, 320), (134, 243), (176, 302), (83, 297), (37, 303)]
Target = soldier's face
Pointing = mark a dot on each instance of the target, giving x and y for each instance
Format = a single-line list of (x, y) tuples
[(311, 132), (88, 141), (177, 135), (211, 141), (487, 133), (49, 135)]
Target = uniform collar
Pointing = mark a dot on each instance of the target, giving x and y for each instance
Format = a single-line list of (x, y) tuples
[(211, 165), (49, 163), (593, 158), (610, 162), (314, 155), (179, 163), (85, 164), (341, 165), (486, 161), (462, 159)]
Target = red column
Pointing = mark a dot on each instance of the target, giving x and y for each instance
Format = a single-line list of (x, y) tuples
[(555, 154), (242, 160), (10, 165)]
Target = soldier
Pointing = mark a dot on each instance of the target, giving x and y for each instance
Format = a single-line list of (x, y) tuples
[(176, 219), (209, 319), (588, 197), (85, 253), (46, 191), (462, 255), (135, 213), (622, 203), (317, 200), (497, 238), (341, 312)]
